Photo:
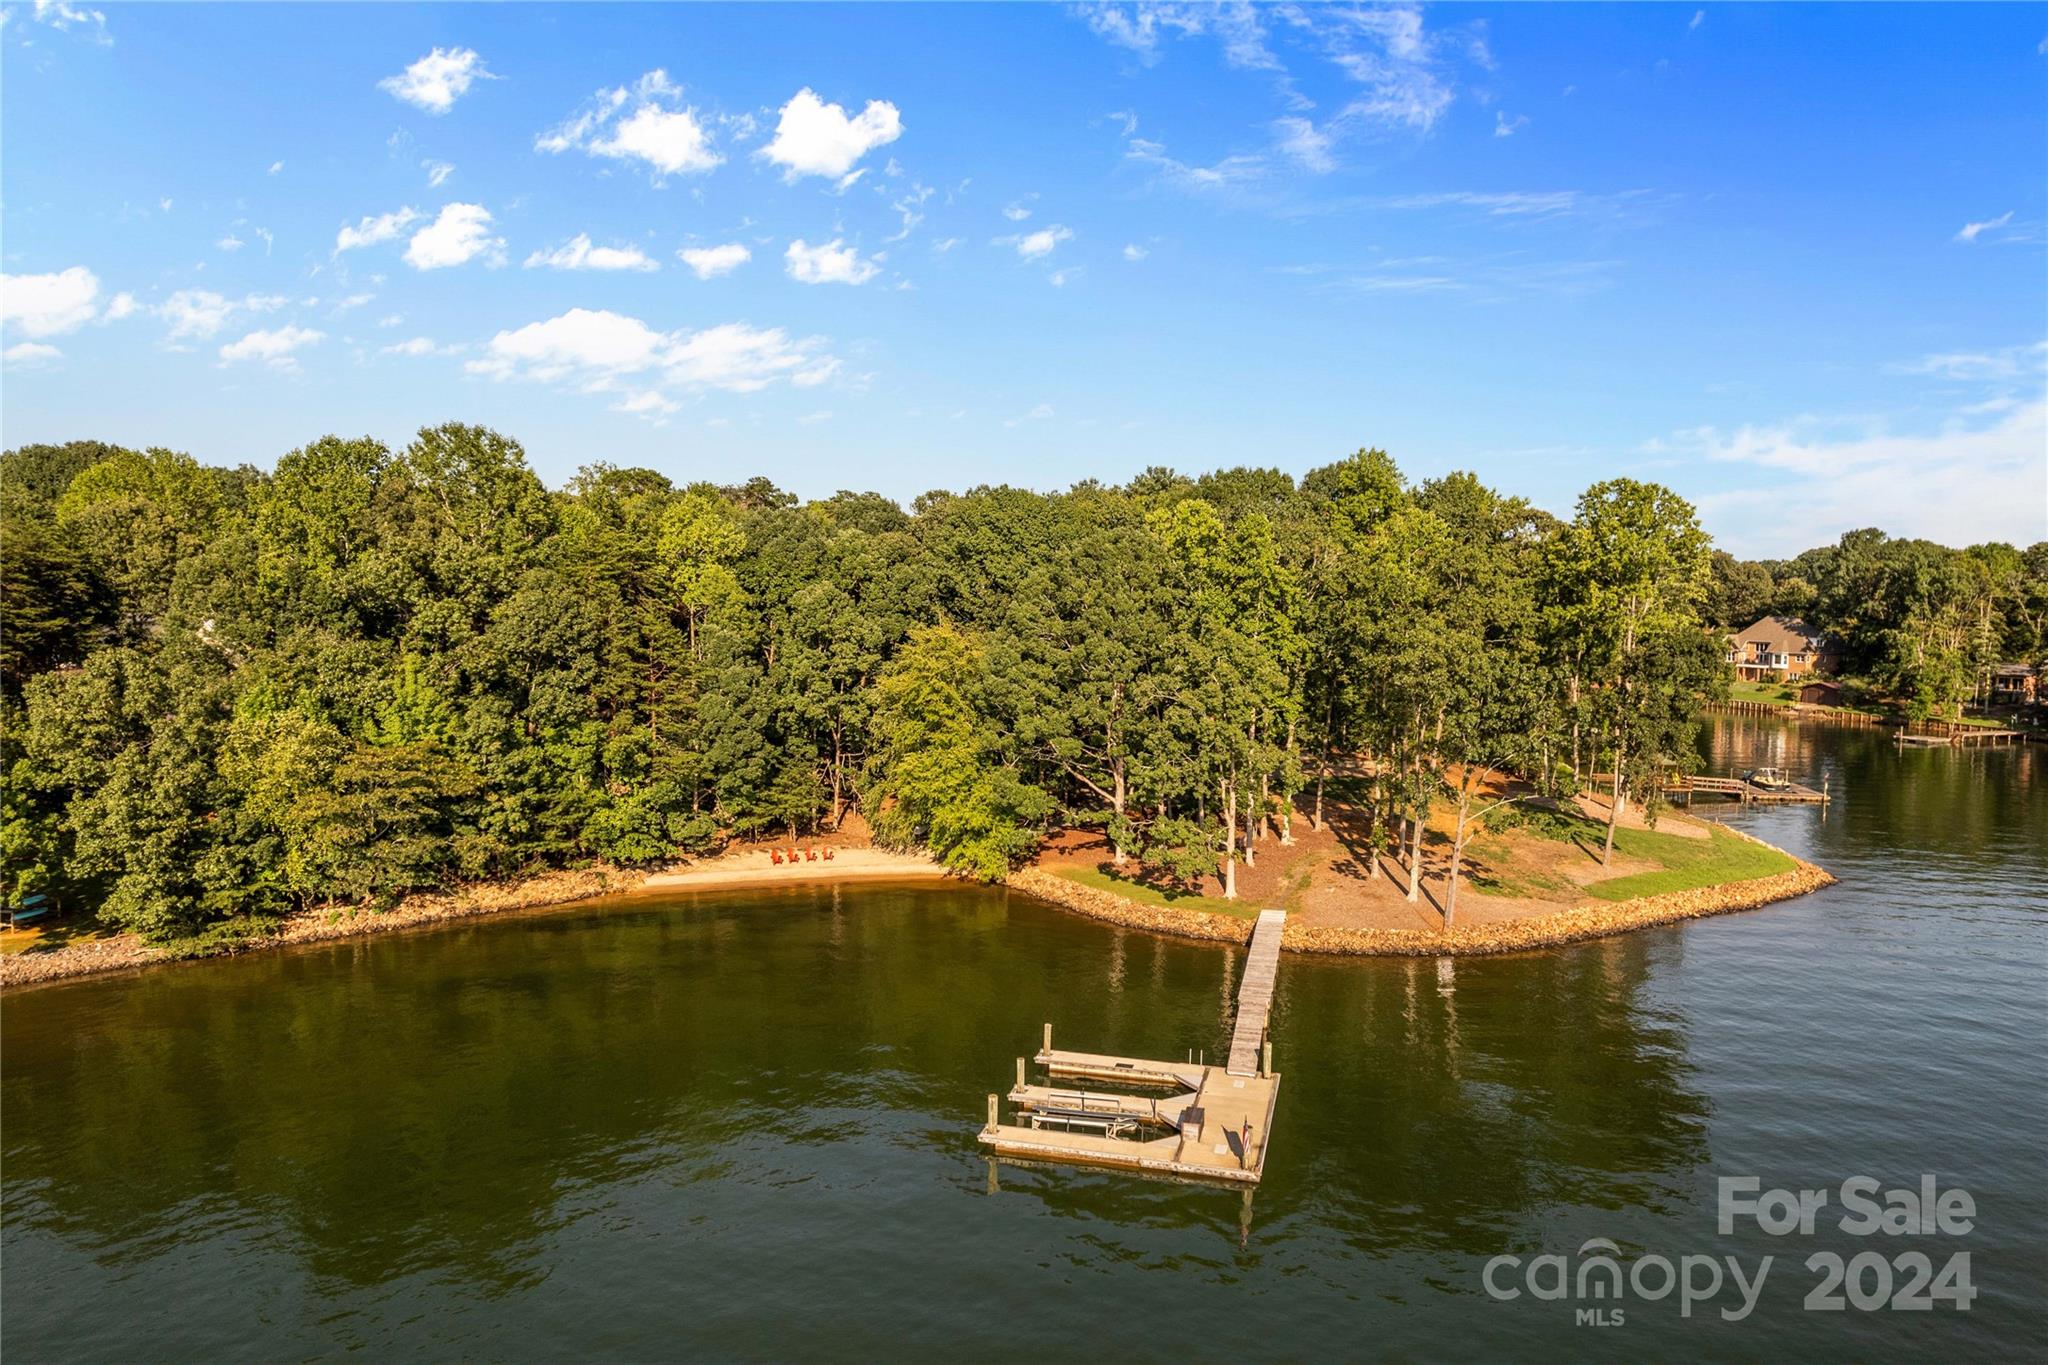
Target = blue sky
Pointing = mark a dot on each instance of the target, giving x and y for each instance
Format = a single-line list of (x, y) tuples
[(1789, 260)]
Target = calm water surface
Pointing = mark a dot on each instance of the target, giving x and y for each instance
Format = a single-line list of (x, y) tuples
[(741, 1126)]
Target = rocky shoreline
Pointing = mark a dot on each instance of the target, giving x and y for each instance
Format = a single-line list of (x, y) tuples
[(1596, 920), (127, 952)]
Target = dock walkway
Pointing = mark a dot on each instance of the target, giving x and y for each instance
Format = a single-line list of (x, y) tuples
[(1255, 993)]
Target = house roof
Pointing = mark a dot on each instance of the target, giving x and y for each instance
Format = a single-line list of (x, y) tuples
[(1783, 633)]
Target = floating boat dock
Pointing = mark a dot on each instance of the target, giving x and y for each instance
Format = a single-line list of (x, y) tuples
[(1191, 1119)]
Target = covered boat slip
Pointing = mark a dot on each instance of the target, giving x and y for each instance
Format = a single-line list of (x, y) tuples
[(1214, 1122)]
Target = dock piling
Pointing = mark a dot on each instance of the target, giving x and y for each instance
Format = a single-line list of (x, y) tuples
[(1020, 1073), (993, 1114)]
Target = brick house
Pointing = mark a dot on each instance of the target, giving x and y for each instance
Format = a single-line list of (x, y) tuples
[(1779, 647)]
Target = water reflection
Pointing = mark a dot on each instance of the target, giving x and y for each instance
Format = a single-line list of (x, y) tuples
[(671, 1125)]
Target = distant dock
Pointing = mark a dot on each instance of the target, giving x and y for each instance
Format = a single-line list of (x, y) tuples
[(1745, 791), (1210, 1122)]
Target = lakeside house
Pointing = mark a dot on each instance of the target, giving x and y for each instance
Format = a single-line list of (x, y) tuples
[(1779, 647), (2014, 685)]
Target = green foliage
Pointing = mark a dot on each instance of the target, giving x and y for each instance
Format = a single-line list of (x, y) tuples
[(226, 694), (939, 778)]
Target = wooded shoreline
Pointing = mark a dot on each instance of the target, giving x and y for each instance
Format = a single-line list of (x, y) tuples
[(127, 953)]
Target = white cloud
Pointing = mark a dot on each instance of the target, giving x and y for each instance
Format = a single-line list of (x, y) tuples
[(1231, 170), (460, 234), (275, 348), (911, 206), (1016, 213), (650, 401), (1306, 143), (2008, 362), (275, 167), (1134, 252), (816, 373), (1386, 50), (437, 171), (376, 228), (48, 305), (1503, 126), (655, 128), (118, 307), (811, 419), (196, 312), (828, 263), (946, 244), (31, 353), (816, 138), (391, 320), (709, 262), (230, 243), (1507, 204), (1032, 245), (600, 351), (578, 254), (1927, 484), (416, 347), (437, 80), (1972, 231), (199, 313), (1699, 16), (59, 14)]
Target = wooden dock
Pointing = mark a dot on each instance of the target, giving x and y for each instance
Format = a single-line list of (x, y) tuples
[(1211, 1122), (1745, 791), (1961, 735)]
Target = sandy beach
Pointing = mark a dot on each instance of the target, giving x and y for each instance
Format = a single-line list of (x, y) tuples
[(756, 867)]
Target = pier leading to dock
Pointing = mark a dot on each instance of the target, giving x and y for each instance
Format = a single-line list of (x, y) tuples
[(1255, 993), (1193, 1119)]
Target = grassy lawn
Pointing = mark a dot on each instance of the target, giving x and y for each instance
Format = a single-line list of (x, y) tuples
[(1687, 863), (1149, 895), (1777, 694)]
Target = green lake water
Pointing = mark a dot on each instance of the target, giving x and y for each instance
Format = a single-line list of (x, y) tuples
[(741, 1126)]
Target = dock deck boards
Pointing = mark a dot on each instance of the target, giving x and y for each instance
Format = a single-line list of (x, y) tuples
[(1255, 993), (1217, 1151)]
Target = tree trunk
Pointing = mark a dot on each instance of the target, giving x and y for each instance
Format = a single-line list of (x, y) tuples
[(1117, 801), (1458, 850), (1251, 852), (1451, 896), (838, 767), (1613, 810), (1375, 830), (1415, 854), (1229, 843), (1287, 798)]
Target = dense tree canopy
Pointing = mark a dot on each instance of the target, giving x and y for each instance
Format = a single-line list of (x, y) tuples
[(229, 693)]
